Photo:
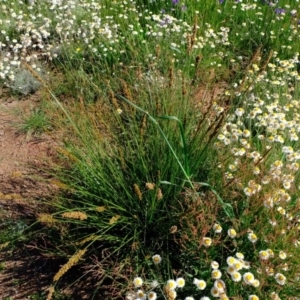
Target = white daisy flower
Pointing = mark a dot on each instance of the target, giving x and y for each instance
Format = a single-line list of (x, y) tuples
[(239, 112), (141, 295), (138, 282), (201, 284), (215, 292), (282, 255), (152, 296), (252, 237), (220, 285), (248, 278), (180, 282), (171, 284), (240, 255), (264, 255), (256, 283), (217, 228), (230, 260), (280, 278), (207, 242), (231, 233), (156, 259), (214, 265), (253, 297), (236, 276), (216, 274)]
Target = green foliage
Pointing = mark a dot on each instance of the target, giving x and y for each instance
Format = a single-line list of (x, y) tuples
[(35, 123), (43, 296), (138, 151), (11, 232)]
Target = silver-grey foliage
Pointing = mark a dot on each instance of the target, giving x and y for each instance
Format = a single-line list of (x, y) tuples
[(24, 82)]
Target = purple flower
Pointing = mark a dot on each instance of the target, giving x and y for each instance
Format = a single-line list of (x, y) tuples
[(221, 1), (279, 11), (175, 2)]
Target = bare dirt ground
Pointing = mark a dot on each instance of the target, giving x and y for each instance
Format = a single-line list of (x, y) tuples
[(21, 158), (24, 186)]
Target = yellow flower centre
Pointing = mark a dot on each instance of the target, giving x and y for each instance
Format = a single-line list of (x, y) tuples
[(249, 277)]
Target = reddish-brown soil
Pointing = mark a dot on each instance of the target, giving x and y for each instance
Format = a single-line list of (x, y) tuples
[(22, 158)]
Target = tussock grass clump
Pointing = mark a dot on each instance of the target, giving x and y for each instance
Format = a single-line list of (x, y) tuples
[(126, 181)]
